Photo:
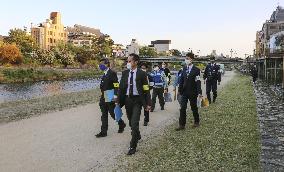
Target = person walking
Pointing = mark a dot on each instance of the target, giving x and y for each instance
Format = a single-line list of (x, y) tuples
[(159, 87), (108, 86), (134, 93), (211, 76), (254, 73), (144, 68), (190, 90)]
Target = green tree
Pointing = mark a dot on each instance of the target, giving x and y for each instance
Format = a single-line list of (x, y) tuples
[(147, 51), (64, 53), (25, 42), (45, 57), (102, 46), (175, 52)]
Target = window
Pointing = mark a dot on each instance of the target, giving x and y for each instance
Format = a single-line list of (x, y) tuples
[(54, 41), (272, 27)]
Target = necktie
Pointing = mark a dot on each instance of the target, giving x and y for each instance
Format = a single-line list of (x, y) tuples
[(131, 85)]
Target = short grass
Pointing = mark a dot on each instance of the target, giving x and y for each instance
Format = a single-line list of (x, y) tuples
[(227, 140)]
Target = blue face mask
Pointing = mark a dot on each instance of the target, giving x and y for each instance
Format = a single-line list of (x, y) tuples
[(102, 67)]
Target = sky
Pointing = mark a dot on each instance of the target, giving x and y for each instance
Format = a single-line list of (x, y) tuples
[(203, 25)]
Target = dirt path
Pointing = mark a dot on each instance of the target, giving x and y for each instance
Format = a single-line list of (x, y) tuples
[(65, 141)]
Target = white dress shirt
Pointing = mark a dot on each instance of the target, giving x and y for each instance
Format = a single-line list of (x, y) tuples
[(135, 91)]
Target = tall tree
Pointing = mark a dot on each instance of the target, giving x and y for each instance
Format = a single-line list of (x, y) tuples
[(148, 51), (102, 46), (10, 53), (25, 42), (175, 52)]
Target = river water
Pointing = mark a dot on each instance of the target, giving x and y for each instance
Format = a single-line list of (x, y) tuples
[(24, 91)]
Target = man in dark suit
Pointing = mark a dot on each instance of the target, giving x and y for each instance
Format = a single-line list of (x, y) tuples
[(211, 76), (134, 93), (189, 89), (109, 83)]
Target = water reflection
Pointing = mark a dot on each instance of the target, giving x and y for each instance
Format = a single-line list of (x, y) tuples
[(24, 91)]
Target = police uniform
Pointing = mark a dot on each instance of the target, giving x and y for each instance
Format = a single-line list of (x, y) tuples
[(189, 89), (212, 75), (159, 84), (109, 82), (134, 93)]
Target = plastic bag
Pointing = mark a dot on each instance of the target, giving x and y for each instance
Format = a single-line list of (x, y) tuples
[(204, 102), (168, 97), (118, 113)]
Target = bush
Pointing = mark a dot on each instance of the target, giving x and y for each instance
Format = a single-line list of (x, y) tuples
[(10, 53), (45, 57)]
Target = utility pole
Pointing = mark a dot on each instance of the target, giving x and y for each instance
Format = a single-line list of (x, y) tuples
[(231, 53)]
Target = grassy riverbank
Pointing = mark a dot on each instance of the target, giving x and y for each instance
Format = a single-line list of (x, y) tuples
[(227, 140), (17, 75)]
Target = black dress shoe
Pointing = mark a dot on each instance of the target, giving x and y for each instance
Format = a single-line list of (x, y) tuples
[(101, 135), (195, 125), (145, 123), (121, 128), (162, 108), (131, 151), (180, 128)]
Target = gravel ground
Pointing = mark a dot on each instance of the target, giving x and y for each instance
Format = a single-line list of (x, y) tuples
[(270, 107)]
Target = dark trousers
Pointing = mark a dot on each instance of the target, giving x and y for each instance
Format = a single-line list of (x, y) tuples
[(107, 107), (146, 116), (254, 78), (211, 85), (194, 108), (133, 106), (160, 93)]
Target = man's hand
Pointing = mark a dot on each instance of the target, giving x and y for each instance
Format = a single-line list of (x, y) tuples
[(200, 96), (115, 100), (165, 91), (148, 108)]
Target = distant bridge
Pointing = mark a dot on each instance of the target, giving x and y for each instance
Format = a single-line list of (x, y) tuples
[(174, 59)]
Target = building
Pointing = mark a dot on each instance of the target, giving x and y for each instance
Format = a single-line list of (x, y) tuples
[(82, 35), (272, 26), (162, 46), (118, 50), (49, 33), (132, 48)]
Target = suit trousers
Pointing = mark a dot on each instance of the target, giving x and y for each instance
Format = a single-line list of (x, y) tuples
[(107, 107), (194, 108), (133, 106)]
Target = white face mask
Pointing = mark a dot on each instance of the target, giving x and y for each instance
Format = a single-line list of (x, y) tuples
[(144, 70), (187, 62), (163, 66), (156, 68), (128, 66)]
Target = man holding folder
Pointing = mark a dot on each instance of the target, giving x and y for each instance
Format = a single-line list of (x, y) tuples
[(109, 88)]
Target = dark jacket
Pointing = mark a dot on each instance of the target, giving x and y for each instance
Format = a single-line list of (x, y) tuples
[(109, 82), (190, 84), (212, 72), (142, 85)]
